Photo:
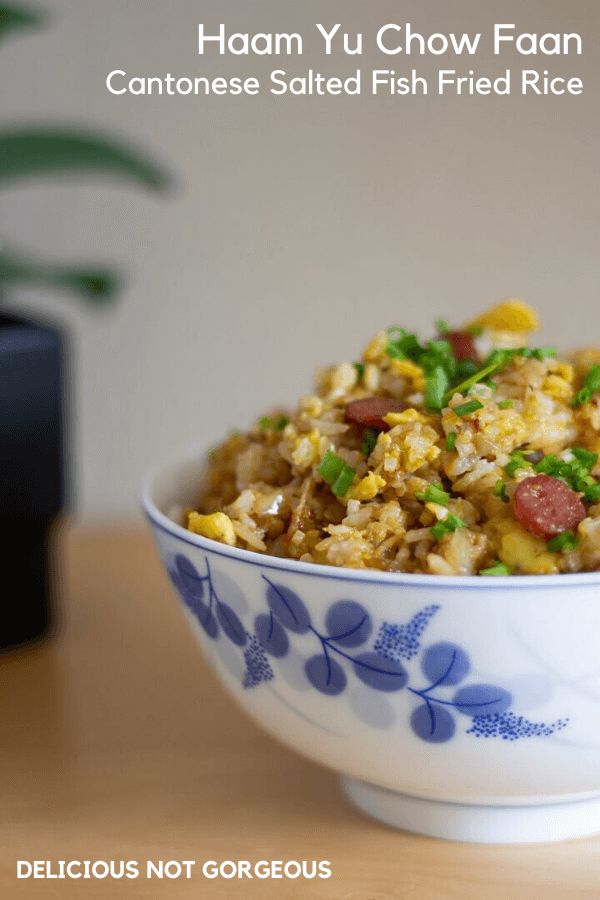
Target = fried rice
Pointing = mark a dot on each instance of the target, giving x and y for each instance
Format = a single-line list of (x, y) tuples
[(472, 453)]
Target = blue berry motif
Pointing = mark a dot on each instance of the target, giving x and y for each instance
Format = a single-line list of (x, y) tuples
[(258, 668), (402, 641), (511, 727), (343, 654)]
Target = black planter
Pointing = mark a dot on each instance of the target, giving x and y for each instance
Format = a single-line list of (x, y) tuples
[(31, 472)]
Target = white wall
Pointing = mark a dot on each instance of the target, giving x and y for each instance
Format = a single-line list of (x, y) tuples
[(299, 227)]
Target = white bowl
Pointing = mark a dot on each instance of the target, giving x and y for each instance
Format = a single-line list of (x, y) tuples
[(465, 708)]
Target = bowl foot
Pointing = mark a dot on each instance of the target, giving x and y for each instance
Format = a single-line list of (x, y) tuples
[(477, 824)]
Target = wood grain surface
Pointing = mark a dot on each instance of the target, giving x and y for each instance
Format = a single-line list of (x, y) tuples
[(118, 743)]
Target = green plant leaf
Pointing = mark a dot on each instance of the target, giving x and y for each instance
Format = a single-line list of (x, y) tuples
[(25, 152), (94, 285), (14, 17)]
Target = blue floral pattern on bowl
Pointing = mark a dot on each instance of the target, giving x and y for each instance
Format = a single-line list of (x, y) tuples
[(387, 660)]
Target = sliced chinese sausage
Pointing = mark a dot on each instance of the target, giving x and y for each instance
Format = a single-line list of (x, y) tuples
[(462, 343), (546, 506), (369, 411)]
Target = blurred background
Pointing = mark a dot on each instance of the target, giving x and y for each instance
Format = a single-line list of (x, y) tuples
[(297, 226)]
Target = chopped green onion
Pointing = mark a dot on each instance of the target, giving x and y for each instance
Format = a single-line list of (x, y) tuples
[(489, 383), (585, 457), (552, 465), (439, 354), (360, 368), (439, 349), (506, 404), (436, 383), (434, 493), (338, 474), (591, 385), (465, 368), (402, 344), (538, 352), (500, 491), (565, 541), (498, 359), (465, 386), (331, 466), (499, 568), (501, 358), (575, 473), (343, 481), (442, 326), (582, 396), (369, 440), (451, 440), (447, 526), (592, 493), (506, 355), (517, 461), (269, 424), (475, 330), (465, 409)]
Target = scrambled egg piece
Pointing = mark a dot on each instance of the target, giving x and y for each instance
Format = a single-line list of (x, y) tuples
[(367, 488), (524, 553), (408, 369), (511, 315), (408, 447), (217, 526), (564, 370), (557, 387), (306, 449), (407, 415), (375, 349)]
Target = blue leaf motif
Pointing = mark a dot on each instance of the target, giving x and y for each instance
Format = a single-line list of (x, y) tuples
[(231, 624), (445, 663), (402, 641), (229, 591), (191, 580), (432, 723), (482, 700), (206, 617), (288, 608), (176, 579), (325, 674), (379, 673), (348, 623), (196, 605), (271, 635), (185, 595), (258, 669)]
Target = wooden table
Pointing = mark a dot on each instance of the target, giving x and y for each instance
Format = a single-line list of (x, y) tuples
[(118, 743)]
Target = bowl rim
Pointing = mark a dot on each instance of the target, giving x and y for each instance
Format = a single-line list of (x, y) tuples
[(339, 573)]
